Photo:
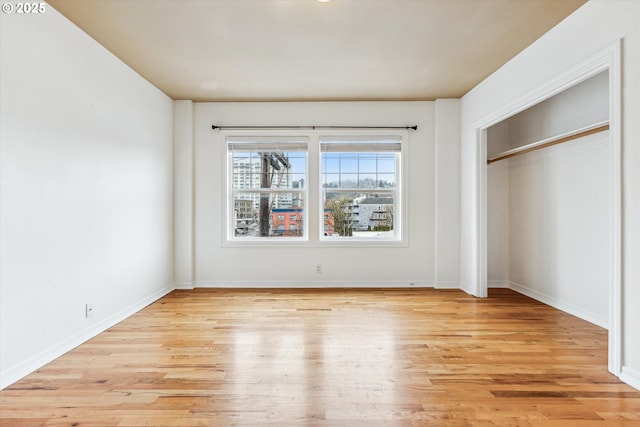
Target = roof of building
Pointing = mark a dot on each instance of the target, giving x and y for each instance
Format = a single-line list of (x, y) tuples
[(376, 201)]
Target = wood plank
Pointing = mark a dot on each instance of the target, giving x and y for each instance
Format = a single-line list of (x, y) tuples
[(332, 357)]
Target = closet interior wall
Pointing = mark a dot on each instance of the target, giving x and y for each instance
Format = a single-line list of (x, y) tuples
[(549, 217)]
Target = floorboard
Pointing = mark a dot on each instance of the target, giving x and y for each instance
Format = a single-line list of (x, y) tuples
[(332, 357)]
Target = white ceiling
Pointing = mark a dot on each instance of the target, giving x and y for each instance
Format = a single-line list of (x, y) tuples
[(271, 50)]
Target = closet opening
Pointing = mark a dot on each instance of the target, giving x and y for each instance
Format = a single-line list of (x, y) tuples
[(549, 196), (548, 192)]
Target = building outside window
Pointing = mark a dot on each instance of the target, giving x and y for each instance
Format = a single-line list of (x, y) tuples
[(269, 173), (358, 187), (360, 179)]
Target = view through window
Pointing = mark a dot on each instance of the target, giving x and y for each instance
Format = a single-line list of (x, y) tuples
[(359, 187), (268, 178)]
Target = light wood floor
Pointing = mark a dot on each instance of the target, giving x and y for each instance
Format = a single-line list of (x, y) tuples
[(332, 358)]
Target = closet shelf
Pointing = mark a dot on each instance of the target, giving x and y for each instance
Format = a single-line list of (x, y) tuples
[(548, 142)]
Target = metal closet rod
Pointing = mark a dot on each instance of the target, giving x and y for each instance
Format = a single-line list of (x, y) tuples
[(214, 127), (549, 142)]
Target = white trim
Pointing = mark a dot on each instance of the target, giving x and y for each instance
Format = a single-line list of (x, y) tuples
[(184, 285), (466, 288), (306, 284), (615, 132), (447, 284), (606, 59), (630, 376), (24, 368), (480, 288), (499, 284), (313, 236), (559, 304)]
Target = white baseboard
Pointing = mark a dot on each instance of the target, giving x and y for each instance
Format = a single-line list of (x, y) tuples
[(184, 285), (630, 376), (560, 305), (499, 284), (290, 284), (24, 368), (447, 285), (467, 288)]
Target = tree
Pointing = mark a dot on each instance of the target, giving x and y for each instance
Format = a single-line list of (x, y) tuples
[(341, 211)]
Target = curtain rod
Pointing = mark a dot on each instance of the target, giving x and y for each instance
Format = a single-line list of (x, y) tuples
[(214, 127)]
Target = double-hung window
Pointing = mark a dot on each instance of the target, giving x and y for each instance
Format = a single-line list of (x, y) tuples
[(360, 180), (267, 187), (354, 197)]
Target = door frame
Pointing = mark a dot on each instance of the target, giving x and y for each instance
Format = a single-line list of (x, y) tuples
[(608, 59)]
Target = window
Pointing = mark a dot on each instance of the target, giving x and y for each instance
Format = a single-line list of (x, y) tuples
[(267, 178), (360, 181), (356, 193)]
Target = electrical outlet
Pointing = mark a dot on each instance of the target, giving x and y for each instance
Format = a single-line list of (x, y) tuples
[(88, 310), (319, 269)]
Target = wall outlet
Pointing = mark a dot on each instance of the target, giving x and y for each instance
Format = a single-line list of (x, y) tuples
[(88, 310), (319, 269)]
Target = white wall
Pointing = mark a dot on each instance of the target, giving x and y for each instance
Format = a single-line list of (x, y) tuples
[(534, 245), (592, 28), (183, 193), (559, 225), (218, 265), (447, 184), (579, 106), (86, 190), (498, 224)]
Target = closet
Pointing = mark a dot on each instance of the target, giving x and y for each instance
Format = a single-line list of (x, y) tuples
[(549, 199)]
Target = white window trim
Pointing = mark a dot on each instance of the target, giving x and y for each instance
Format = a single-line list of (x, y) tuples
[(314, 208), (400, 192), (228, 238)]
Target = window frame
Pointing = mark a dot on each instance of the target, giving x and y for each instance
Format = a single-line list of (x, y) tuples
[(312, 194), (229, 177), (398, 237)]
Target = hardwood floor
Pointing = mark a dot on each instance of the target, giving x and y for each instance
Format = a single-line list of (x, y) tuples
[(411, 357)]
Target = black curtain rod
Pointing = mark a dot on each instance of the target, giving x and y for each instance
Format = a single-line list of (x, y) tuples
[(214, 127)]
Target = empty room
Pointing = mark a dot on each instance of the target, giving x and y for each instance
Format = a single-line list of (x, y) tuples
[(320, 213)]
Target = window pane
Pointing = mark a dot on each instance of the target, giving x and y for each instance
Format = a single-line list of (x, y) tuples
[(277, 169), (368, 164), (260, 214), (367, 180), (364, 216), (362, 170), (386, 180), (331, 180), (386, 162), (331, 163)]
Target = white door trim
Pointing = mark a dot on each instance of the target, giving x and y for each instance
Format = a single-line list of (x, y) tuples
[(606, 59)]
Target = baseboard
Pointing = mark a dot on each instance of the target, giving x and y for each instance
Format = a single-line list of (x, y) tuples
[(447, 285), (466, 288), (24, 368), (499, 284), (559, 304), (309, 284), (630, 376), (184, 285)]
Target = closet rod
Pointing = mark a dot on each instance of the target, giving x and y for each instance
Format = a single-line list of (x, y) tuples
[(548, 143)]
